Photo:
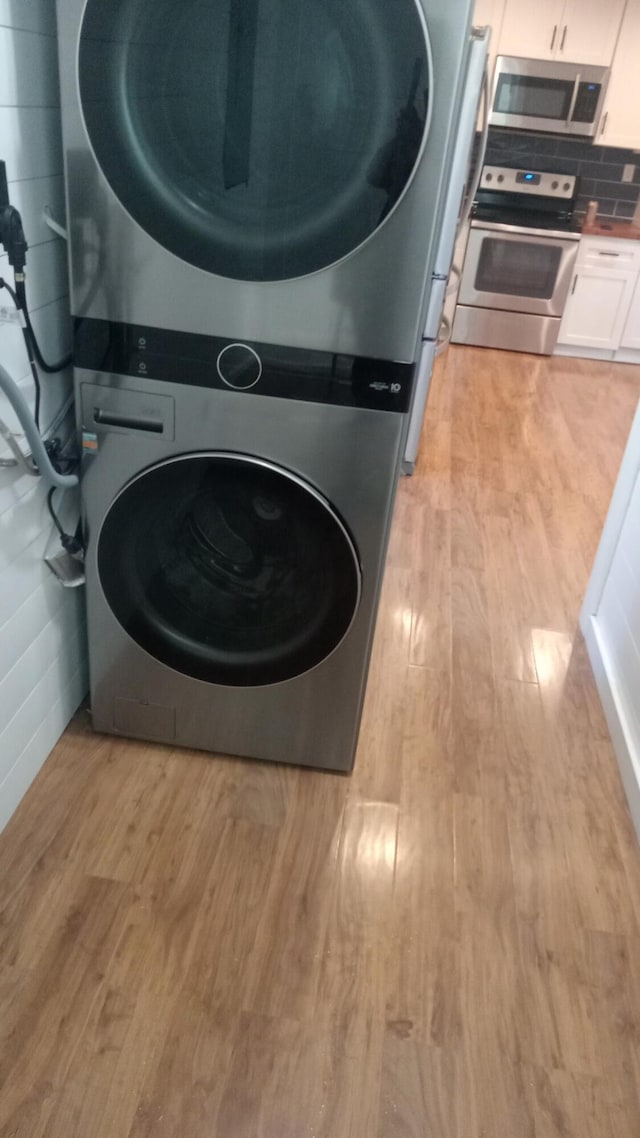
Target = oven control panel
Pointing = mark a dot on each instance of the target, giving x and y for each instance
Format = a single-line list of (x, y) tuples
[(505, 179)]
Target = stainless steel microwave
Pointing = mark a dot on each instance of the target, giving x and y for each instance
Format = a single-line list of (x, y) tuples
[(540, 94)]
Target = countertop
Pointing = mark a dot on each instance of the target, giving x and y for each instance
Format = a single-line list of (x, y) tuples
[(623, 229)]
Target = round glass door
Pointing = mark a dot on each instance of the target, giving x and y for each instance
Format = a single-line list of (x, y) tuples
[(228, 569), (261, 140)]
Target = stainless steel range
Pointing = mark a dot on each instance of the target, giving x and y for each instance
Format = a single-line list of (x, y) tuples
[(518, 265)]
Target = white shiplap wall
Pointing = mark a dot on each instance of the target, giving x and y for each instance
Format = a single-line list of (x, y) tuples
[(611, 619), (42, 649)]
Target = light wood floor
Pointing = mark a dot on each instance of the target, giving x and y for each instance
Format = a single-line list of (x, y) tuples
[(446, 945)]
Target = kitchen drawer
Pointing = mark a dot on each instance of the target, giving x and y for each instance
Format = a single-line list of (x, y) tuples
[(602, 252)]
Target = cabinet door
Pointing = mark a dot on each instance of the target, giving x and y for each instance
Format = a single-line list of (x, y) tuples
[(597, 308), (531, 30), (589, 31), (620, 124), (631, 333)]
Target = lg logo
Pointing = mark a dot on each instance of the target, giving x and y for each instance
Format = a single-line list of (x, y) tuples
[(395, 388)]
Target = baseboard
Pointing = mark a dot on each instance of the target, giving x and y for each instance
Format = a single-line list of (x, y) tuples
[(624, 744), (575, 351)]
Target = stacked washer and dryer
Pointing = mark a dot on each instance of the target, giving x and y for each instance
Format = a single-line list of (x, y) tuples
[(256, 189)]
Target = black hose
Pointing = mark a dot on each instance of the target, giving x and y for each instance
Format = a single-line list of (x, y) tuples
[(20, 299)]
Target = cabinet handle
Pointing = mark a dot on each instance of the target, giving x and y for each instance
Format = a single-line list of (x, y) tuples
[(604, 122), (601, 254), (553, 37), (575, 281), (564, 36)]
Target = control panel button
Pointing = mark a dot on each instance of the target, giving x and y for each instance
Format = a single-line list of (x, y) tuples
[(489, 177), (567, 186), (501, 177), (554, 185), (239, 366)]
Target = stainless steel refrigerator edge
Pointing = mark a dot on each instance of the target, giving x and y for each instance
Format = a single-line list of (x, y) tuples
[(372, 303), (461, 179)]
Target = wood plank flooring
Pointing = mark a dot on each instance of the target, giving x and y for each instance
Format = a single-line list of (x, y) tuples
[(445, 945)]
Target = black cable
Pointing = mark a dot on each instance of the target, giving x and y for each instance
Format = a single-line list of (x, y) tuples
[(27, 344), (21, 301), (56, 519), (71, 542)]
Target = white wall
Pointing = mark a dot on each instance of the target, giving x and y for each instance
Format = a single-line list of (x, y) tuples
[(42, 651), (611, 619)]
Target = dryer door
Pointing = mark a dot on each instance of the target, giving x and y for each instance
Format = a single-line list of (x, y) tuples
[(229, 569), (261, 140)]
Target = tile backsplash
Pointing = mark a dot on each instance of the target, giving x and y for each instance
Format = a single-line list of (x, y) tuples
[(598, 167)]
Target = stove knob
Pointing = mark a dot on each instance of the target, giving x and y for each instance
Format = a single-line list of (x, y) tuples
[(501, 177), (567, 186), (489, 177), (239, 366), (554, 185)]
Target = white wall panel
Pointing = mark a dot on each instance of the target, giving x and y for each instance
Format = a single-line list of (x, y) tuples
[(28, 69), (42, 637), (40, 127), (30, 15)]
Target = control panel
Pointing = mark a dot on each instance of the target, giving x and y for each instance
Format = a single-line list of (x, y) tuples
[(586, 104), (163, 356), (505, 179)]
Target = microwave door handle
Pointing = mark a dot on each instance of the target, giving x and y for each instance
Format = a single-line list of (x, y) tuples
[(573, 99)]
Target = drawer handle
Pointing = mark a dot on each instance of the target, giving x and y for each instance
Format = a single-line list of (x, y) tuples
[(564, 36), (604, 122), (601, 254), (133, 422), (575, 281), (553, 37)]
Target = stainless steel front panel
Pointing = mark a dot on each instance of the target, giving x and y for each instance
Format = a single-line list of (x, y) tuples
[(349, 456), (516, 272), (369, 303), (514, 331)]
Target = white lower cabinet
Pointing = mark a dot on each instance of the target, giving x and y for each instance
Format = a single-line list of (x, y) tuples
[(631, 332), (602, 312), (597, 307)]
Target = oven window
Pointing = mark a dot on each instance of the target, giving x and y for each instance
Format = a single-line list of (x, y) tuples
[(534, 97), (518, 268)]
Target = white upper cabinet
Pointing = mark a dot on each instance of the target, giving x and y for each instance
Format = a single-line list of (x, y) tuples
[(620, 123), (574, 31), (589, 31), (531, 30)]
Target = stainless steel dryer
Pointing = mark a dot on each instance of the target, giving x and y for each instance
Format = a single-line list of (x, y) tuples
[(262, 170), (237, 514)]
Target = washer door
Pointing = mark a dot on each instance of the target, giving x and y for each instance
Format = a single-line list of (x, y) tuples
[(261, 140), (228, 569)]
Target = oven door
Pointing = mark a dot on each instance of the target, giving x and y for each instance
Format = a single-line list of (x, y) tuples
[(517, 271)]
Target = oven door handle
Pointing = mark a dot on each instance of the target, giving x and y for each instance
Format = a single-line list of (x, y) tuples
[(574, 98)]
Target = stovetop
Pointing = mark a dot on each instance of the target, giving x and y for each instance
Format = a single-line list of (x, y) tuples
[(529, 199)]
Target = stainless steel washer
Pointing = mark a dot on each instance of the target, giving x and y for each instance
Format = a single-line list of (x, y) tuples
[(235, 540)]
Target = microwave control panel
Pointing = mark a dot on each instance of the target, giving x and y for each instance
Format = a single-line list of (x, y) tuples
[(586, 102)]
